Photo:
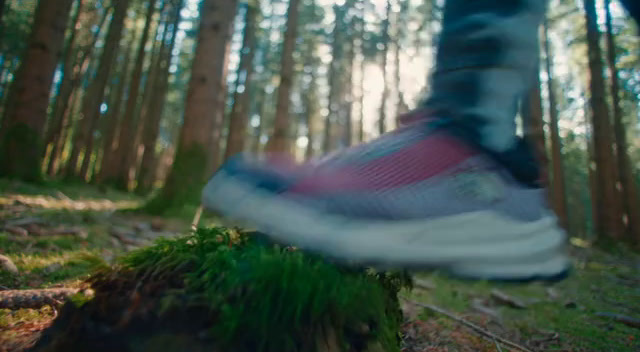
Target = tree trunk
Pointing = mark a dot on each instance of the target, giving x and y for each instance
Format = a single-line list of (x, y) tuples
[(7, 67), (629, 191), (262, 110), (348, 94), (240, 110), (361, 68), (534, 125), (88, 150), (60, 141), (94, 93), (126, 141), (607, 220), (2, 4), (310, 103), (21, 143), (382, 122), (400, 22), (150, 88), (147, 174), (220, 65), (558, 188), (113, 119), (64, 90), (279, 141), (75, 102), (334, 83), (187, 174), (591, 161), (61, 113)]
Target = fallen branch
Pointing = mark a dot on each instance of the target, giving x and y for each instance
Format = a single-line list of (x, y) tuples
[(72, 231), (551, 337), (479, 306), (626, 320), (504, 298), (423, 284), (497, 345), (31, 220), (18, 299), (470, 325), (125, 238), (16, 230)]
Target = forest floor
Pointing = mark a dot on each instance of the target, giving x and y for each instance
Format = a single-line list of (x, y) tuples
[(55, 234)]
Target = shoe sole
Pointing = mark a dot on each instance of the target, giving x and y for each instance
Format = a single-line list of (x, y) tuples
[(477, 245)]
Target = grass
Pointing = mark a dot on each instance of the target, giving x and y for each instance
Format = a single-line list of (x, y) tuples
[(76, 191), (260, 292), (66, 268), (601, 282), (249, 296), (57, 260)]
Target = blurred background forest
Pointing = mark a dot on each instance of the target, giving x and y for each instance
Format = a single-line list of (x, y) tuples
[(150, 96)]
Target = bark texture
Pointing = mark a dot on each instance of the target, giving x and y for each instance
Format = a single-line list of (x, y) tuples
[(93, 96), (280, 139), (58, 130), (382, 122), (239, 116), (148, 165), (114, 116), (607, 219), (24, 121), (187, 174), (629, 196), (125, 152), (558, 187)]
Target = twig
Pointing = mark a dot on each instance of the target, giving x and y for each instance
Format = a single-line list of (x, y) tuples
[(551, 337), (125, 239), (196, 218), (423, 284), (626, 320), (470, 325), (497, 345)]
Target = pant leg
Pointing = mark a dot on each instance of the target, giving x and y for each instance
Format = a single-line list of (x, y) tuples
[(484, 63), (633, 7)]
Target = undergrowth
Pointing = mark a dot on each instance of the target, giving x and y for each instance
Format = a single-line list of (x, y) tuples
[(266, 298)]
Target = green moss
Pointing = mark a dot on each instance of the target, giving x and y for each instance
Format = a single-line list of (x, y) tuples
[(184, 182), (265, 298), (48, 269), (20, 153)]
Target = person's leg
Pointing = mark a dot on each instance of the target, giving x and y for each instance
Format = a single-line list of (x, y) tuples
[(633, 7), (485, 61), (433, 194)]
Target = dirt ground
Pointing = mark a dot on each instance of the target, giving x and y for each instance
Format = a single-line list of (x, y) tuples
[(53, 236)]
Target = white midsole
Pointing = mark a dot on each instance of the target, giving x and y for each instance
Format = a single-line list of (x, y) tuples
[(482, 242)]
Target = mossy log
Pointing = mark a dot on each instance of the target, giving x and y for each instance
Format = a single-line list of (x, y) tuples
[(218, 290)]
